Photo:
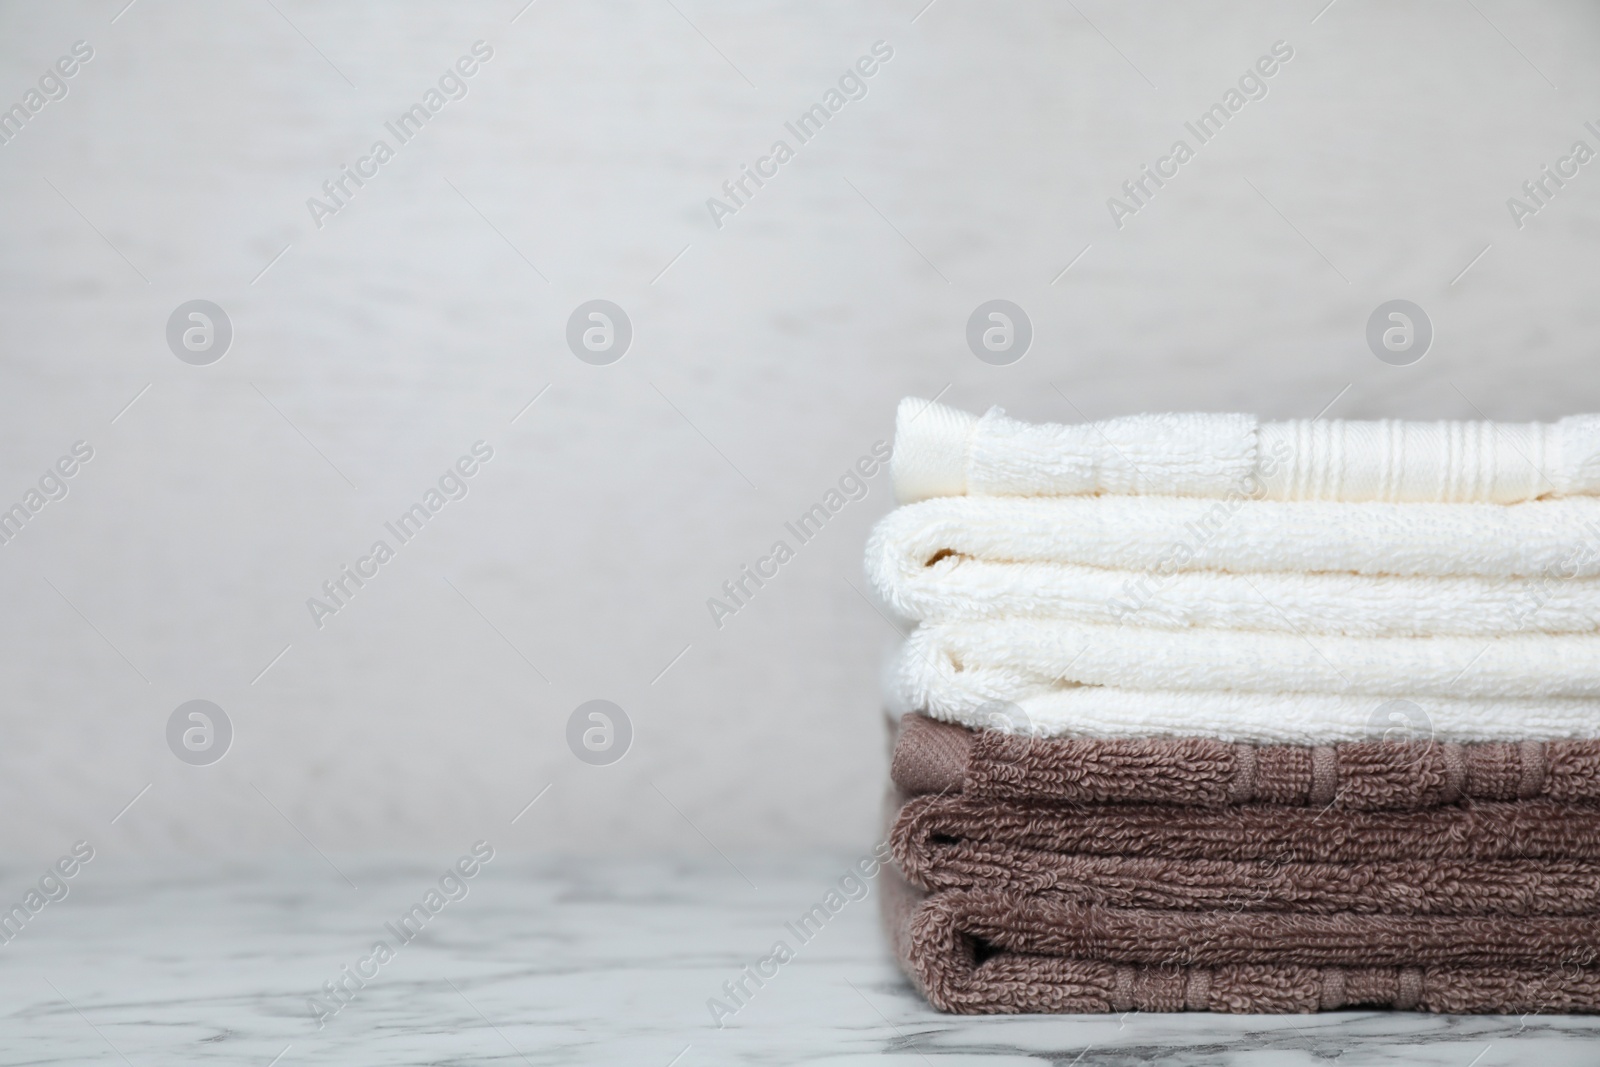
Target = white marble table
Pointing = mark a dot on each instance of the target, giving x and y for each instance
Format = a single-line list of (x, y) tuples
[(582, 962)]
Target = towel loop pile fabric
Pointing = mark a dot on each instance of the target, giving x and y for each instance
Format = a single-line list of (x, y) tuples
[(1209, 714), (940, 451)]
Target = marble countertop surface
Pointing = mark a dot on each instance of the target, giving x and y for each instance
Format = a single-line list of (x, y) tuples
[(578, 962)]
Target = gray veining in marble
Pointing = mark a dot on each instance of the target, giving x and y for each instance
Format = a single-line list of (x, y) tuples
[(583, 962)]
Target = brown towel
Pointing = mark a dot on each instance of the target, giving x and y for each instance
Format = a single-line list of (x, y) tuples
[(929, 830), (1530, 858), (937, 757), (1424, 888), (991, 951)]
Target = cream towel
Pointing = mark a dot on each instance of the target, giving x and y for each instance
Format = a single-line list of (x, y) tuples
[(1256, 687), (940, 451), (1107, 560), (1250, 536), (1007, 658), (1278, 718)]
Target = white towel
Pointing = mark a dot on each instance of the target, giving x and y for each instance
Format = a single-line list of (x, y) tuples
[(940, 451), (1110, 559), (1007, 658), (1236, 684), (1277, 718), (1146, 533)]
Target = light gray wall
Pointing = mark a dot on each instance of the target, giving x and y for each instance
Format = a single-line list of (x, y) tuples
[(767, 358)]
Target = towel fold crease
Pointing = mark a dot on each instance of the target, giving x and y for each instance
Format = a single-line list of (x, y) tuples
[(943, 942)]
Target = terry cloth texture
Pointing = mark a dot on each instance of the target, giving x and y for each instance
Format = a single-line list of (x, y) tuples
[(1056, 924), (1559, 538), (1270, 718), (1328, 862), (936, 757), (1360, 570), (995, 951), (928, 829), (940, 451), (1010, 657), (1102, 681), (1264, 717)]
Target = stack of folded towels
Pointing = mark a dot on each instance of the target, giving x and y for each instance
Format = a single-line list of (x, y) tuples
[(1206, 713)]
